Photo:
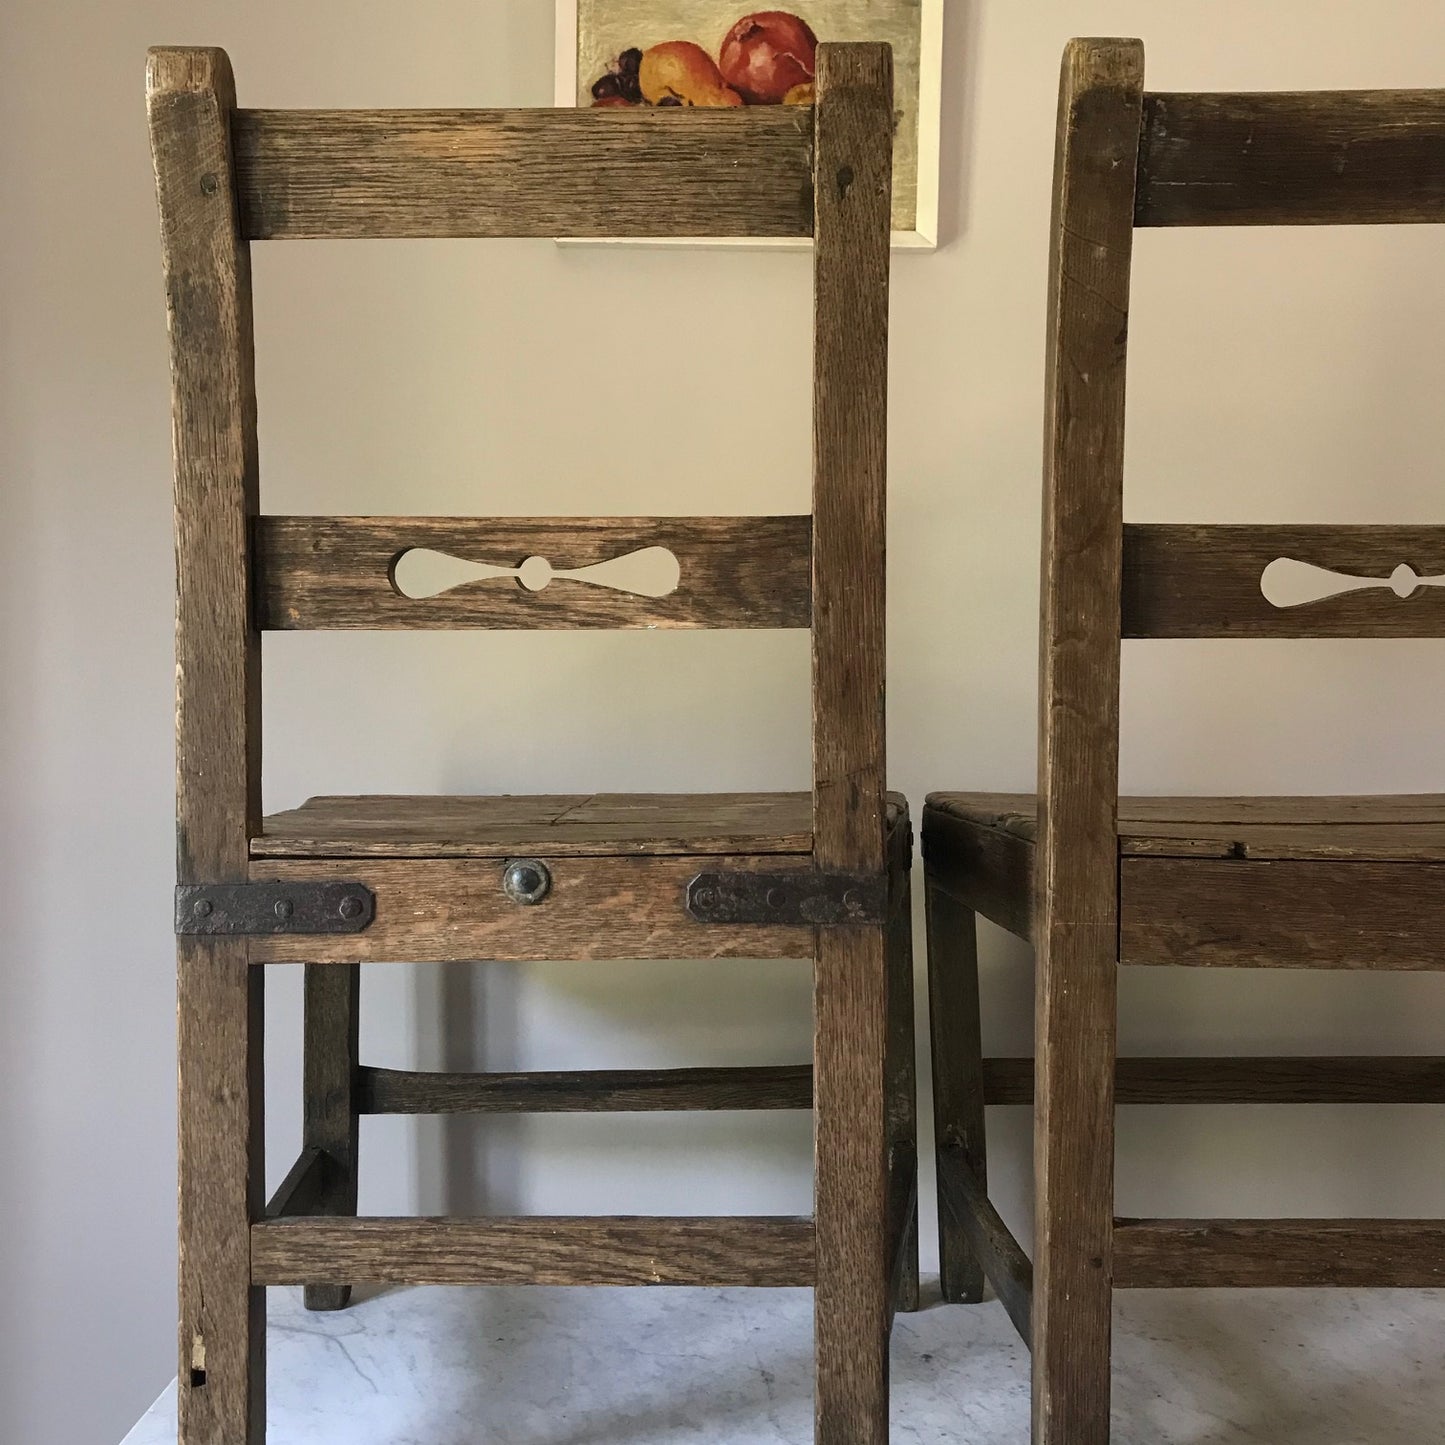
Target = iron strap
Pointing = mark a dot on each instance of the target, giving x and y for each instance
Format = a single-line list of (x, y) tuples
[(332, 906), (799, 896)]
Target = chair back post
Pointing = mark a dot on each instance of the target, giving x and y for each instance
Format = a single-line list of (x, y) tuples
[(191, 102), (1075, 929), (852, 198)]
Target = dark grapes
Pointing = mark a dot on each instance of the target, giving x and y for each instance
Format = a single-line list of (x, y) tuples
[(607, 87)]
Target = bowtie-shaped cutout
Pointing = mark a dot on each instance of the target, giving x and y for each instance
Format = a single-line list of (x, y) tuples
[(1287, 582), (421, 572)]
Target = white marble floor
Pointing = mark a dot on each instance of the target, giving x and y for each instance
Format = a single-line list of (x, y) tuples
[(731, 1367)]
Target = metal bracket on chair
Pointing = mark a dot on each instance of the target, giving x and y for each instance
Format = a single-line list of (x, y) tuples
[(257, 908), (806, 897)]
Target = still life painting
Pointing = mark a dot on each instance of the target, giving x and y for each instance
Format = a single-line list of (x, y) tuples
[(617, 53)]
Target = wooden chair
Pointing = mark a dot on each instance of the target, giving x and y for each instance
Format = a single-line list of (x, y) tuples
[(1097, 881), (344, 881)]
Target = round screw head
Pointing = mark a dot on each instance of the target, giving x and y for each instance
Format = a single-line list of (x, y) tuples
[(210, 183), (777, 897), (284, 908), (852, 900), (349, 907), (202, 907), (526, 880)]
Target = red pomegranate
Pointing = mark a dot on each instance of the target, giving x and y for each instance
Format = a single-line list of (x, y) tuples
[(766, 54)]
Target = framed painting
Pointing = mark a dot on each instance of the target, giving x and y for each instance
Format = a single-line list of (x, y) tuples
[(717, 53)]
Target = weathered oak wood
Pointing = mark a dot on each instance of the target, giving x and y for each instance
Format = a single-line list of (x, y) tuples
[(986, 869), (454, 910), (1292, 158), (398, 1091), (337, 572), (329, 1087), (575, 825), (1100, 107), (852, 193), (962, 1196), (303, 1188), (1205, 581), (1279, 1253), (757, 1251), (982, 843), (1224, 913), (190, 97), (902, 1075), (642, 172), (957, 1053), (1381, 1079)]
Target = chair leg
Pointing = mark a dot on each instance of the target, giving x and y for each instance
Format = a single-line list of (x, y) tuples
[(1075, 1032), (333, 994), (958, 1102), (222, 1388), (852, 1304), (903, 1095)]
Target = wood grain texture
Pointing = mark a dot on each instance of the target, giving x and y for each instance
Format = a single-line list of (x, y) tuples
[(1225, 913), (641, 172), (336, 572), (303, 1188), (985, 868), (622, 1091), (957, 1054), (1205, 581), (592, 1250), (1292, 158), (902, 1074), (1279, 1253), (330, 1102), (190, 98), (1386, 1079), (1100, 107), (853, 189), (982, 843), (962, 1196), (454, 910), (577, 825)]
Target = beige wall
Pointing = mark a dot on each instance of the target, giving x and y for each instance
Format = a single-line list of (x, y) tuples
[(1275, 377)]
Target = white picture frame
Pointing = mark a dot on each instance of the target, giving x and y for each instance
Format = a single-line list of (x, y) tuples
[(923, 236)]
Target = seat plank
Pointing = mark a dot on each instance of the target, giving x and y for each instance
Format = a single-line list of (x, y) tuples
[(640, 172), (552, 825), (1379, 827)]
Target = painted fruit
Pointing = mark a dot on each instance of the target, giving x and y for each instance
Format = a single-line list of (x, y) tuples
[(801, 94), (765, 55), (677, 72)]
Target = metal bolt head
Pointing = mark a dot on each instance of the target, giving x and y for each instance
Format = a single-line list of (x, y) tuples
[(777, 897), (852, 900), (526, 880), (284, 908), (202, 907), (706, 897), (349, 907), (210, 183)]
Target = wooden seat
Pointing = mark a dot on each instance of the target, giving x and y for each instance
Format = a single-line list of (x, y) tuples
[(565, 825), (1371, 827), (339, 883), (1097, 881)]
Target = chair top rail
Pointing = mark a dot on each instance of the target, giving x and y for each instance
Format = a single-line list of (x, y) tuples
[(667, 172), (1350, 157)]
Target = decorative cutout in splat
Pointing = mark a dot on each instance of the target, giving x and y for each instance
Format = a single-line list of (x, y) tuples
[(422, 572), (1287, 582)]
